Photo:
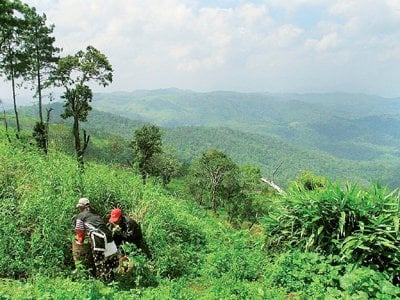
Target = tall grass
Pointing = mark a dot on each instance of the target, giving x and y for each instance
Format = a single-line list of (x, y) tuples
[(195, 255), (38, 196)]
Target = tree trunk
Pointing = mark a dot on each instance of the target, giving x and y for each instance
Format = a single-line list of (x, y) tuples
[(39, 88), (46, 148), (143, 172), (15, 102), (78, 150), (214, 200)]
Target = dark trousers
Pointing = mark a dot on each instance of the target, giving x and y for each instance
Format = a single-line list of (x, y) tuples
[(104, 265)]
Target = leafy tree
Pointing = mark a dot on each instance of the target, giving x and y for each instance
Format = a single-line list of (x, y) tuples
[(146, 143), (74, 73), (216, 170), (250, 179), (13, 60), (7, 21), (165, 165), (39, 44), (243, 204), (42, 56), (196, 185), (230, 191)]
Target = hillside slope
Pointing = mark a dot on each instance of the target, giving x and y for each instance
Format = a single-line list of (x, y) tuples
[(195, 254), (38, 196), (268, 152), (98, 121)]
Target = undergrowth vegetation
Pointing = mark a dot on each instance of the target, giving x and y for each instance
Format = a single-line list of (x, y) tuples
[(360, 226), (318, 241)]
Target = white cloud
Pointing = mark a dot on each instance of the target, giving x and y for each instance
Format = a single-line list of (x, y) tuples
[(292, 5), (244, 45), (285, 36), (394, 5), (251, 13), (327, 42)]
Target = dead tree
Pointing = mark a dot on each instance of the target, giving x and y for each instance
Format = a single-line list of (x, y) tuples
[(273, 185), (271, 182)]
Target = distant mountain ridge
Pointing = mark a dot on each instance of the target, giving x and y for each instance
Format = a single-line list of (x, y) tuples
[(254, 104), (350, 126)]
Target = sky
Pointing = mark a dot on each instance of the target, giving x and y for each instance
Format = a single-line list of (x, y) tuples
[(275, 46)]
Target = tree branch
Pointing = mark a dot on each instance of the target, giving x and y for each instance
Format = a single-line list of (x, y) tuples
[(276, 170)]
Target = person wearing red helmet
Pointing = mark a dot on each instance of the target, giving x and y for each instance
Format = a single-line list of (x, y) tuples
[(126, 230)]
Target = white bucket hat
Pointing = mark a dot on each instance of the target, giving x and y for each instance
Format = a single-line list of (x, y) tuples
[(83, 202)]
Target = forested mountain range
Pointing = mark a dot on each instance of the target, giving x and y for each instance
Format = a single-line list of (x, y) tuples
[(350, 126), (111, 135), (102, 123), (268, 152)]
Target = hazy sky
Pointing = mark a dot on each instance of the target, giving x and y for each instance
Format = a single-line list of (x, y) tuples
[(271, 45)]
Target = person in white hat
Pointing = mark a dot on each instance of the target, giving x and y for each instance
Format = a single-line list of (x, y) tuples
[(103, 247)]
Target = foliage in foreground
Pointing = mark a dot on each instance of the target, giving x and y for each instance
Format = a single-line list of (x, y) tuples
[(308, 275), (195, 255), (360, 226)]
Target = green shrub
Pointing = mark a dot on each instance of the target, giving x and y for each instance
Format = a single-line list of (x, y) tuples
[(212, 288), (306, 273), (359, 225), (140, 272), (174, 236), (109, 187), (43, 287), (365, 280), (236, 256), (375, 241), (310, 220), (307, 181), (364, 283), (230, 288), (33, 230)]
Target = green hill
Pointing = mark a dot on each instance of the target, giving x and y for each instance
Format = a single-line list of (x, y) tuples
[(345, 160), (350, 126), (110, 134), (268, 152), (99, 122)]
